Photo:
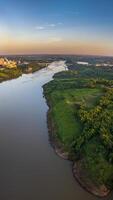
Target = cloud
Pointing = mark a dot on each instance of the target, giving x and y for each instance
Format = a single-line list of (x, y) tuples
[(39, 27), (51, 25), (46, 26)]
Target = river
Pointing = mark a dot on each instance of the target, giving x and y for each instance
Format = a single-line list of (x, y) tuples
[(29, 167)]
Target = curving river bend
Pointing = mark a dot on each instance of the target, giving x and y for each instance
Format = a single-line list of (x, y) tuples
[(29, 167)]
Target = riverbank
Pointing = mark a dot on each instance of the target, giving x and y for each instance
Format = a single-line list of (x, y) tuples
[(79, 175), (58, 124), (54, 141), (82, 178), (9, 74)]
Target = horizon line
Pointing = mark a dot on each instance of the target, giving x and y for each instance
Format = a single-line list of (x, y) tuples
[(57, 54)]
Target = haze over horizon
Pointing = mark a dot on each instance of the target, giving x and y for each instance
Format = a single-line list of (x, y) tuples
[(56, 27)]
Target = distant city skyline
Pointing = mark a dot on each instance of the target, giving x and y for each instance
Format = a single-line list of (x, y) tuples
[(56, 27)]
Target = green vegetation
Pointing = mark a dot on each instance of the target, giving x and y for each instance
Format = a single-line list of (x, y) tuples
[(6, 74), (82, 113), (92, 71)]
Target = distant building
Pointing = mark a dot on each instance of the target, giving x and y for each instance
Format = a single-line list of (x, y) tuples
[(82, 63), (104, 65), (5, 63), (22, 63)]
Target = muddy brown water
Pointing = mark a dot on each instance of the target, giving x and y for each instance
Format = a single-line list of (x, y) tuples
[(29, 167)]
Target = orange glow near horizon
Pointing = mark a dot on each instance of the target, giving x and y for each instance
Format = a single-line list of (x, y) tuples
[(49, 27), (13, 46)]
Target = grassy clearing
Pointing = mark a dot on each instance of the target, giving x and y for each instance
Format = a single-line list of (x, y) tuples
[(64, 110)]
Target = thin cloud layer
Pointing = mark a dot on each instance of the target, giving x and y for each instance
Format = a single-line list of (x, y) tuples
[(46, 26)]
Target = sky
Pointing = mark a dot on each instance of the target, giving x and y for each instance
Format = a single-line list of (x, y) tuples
[(56, 27)]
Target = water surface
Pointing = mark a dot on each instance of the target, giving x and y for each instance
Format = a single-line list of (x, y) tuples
[(29, 167)]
